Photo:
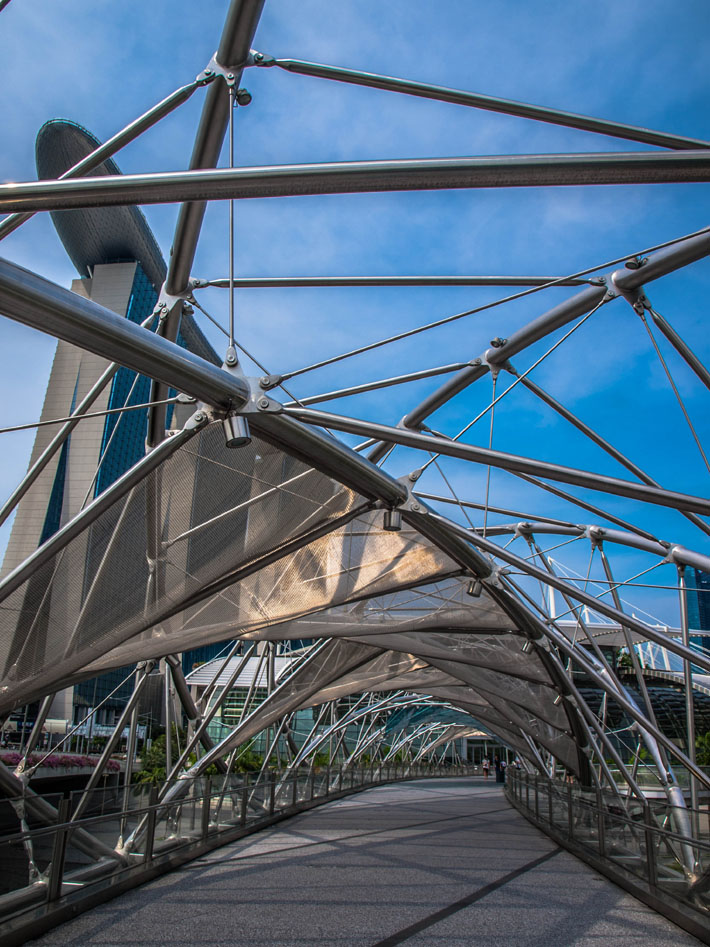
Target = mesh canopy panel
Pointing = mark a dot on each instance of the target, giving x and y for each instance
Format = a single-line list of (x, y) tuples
[(443, 605), (504, 724), (382, 673), (496, 652), (534, 698), (331, 661), (204, 512), (355, 560), (117, 592)]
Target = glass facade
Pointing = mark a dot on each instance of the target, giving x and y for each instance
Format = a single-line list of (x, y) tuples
[(203, 654), (698, 584), (122, 445), (123, 441)]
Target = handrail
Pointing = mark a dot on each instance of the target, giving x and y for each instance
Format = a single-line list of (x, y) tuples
[(210, 815), (631, 847)]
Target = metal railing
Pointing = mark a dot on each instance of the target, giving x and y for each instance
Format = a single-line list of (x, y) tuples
[(629, 840), (48, 874)]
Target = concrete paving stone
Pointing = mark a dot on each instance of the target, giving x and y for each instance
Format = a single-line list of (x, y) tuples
[(365, 868)]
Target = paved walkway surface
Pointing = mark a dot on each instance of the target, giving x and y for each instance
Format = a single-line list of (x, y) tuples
[(439, 862)]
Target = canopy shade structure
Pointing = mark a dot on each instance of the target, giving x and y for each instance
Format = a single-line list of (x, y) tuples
[(503, 509)]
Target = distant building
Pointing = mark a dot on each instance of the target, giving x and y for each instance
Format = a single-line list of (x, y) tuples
[(121, 268), (698, 585)]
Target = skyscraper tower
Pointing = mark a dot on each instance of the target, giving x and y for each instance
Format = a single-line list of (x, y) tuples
[(121, 268)]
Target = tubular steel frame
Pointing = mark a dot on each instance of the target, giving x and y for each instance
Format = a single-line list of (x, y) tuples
[(351, 663)]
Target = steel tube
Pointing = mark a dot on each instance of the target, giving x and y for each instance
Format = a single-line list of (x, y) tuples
[(681, 347), (583, 505), (489, 103), (688, 686), (668, 777), (356, 177), (459, 550), (583, 717), (553, 319), (677, 554), (586, 663), (92, 512), (142, 673), (376, 385), (188, 705), (646, 632), (210, 712), (298, 282), (237, 35), (688, 557), (329, 456), (13, 788), (513, 462), (469, 504), (36, 732), (665, 775), (272, 709), (597, 439), (663, 262), (40, 304), (578, 305), (110, 147)]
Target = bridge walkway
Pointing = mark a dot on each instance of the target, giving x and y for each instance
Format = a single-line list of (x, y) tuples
[(437, 862)]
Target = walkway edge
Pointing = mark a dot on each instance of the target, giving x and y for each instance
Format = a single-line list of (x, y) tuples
[(658, 901), (31, 924)]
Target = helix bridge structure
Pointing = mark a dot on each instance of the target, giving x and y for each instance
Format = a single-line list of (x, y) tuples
[(375, 602)]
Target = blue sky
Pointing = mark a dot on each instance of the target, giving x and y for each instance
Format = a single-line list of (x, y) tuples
[(643, 63)]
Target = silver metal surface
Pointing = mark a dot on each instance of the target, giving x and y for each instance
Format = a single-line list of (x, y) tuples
[(301, 282), (198, 186), (505, 461), (36, 302), (490, 103)]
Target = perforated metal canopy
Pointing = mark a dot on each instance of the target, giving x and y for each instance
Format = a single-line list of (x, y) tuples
[(254, 517)]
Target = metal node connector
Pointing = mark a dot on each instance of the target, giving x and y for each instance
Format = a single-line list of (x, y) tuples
[(392, 521), (475, 587), (236, 431)]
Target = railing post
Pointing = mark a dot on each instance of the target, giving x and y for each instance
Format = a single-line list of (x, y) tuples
[(150, 825), (537, 800), (245, 800), (312, 781), (527, 791), (272, 794), (601, 828), (570, 814), (650, 846), (340, 780), (550, 788), (206, 807), (294, 794), (59, 849)]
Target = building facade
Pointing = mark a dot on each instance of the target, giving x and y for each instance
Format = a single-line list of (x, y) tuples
[(120, 268)]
